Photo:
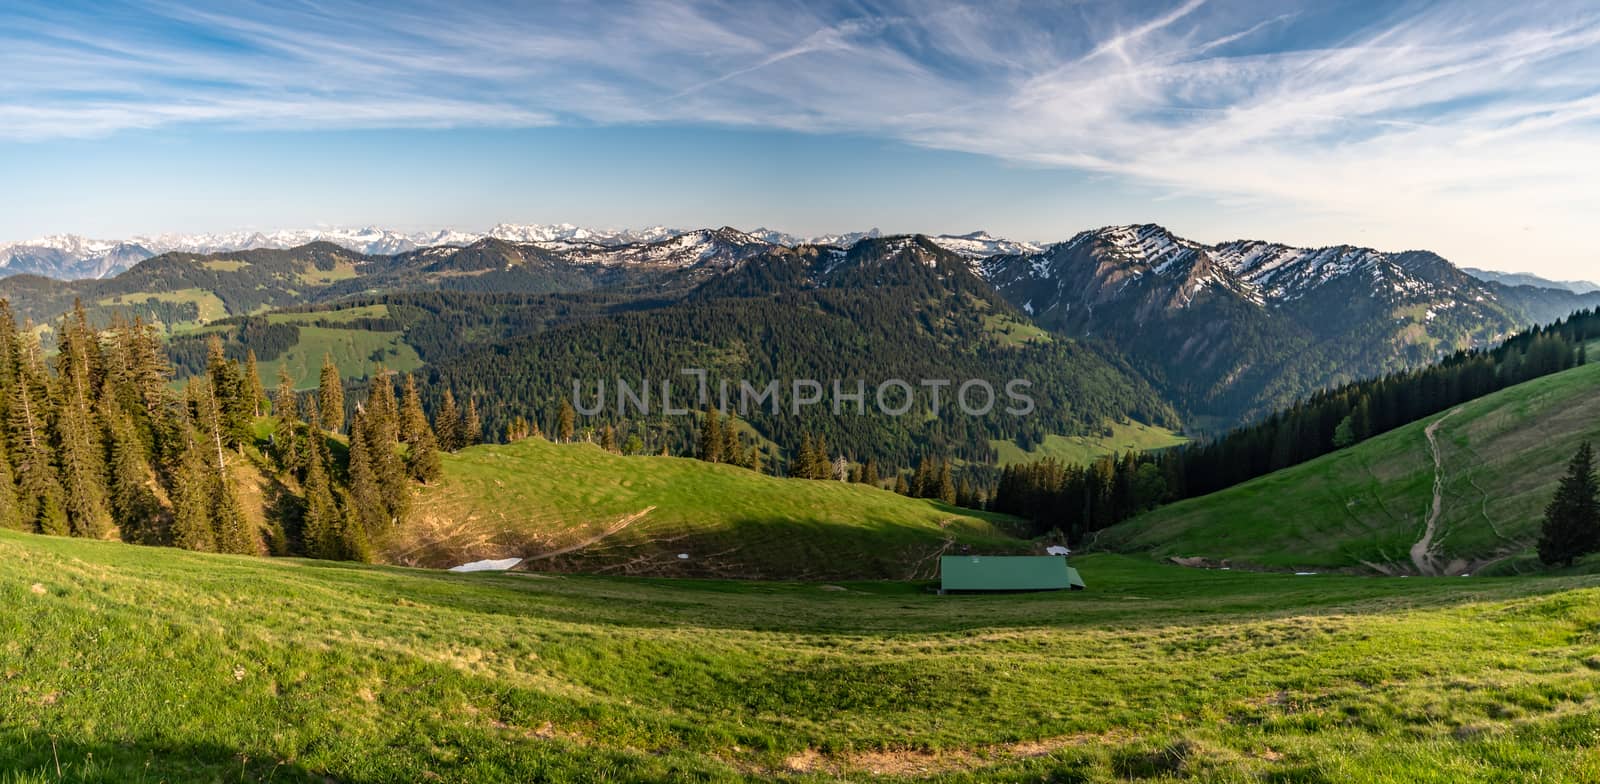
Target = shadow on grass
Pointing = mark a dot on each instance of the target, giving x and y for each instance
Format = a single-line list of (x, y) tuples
[(38, 758)]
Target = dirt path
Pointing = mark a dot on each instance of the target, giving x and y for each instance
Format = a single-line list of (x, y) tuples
[(1422, 554)]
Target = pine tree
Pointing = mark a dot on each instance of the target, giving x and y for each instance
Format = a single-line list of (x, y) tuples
[(10, 505), (366, 492), (472, 427), (422, 456), (900, 485), (231, 531), (517, 429), (804, 459), (964, 495), (286, 440), (132, 500), (821, 465), (945, 487), (230, 396), (191, 497), (732, 450), (608, 438), (77, 427), (323, 523), (869, 472), (330, 396), (565, 421), (234, 531), (10, 344), (380, 418), (711, 441), (924, 480), (1572, 520), (753, 460), (447, 424), (43, 501), (252, 383)]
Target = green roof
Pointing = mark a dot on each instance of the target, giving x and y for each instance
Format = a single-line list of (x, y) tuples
[(1006, 573)]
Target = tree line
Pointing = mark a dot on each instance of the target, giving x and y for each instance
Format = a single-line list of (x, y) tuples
[(98, 442)]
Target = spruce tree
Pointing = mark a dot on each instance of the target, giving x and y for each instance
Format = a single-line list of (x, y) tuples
[(323, 526), (253, 386), (517, 429), (804, 459), (1572, 520), (132, 501), (565, 421), (231, 531), (191, 496), (422, 456), (366, 492), (711, 441), (78, 432), (608, 438), (823, 467), (472, 427), (447, 423), (413, 421), (235, 533), (900, 485), (287, 443), (10, 344), (382, 408), (945, 489), (230, 396), (732, 450), (10, 505), (43, 500), (381, 427), (869, 472), (330, 396)]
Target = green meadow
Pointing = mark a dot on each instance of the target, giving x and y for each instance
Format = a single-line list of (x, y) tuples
[(580, 508), (1120, 437), (132, 664), (1363, 507)]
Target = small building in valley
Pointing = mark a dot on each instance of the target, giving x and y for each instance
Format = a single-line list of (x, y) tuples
[(1000, 573)]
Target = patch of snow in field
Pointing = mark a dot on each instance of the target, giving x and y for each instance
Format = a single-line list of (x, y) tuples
[(487, 566)]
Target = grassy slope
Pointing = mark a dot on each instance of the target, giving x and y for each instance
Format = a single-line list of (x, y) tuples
[(1081, 450), (122, 663), (1502, 456), (351, 349), (534, 497)]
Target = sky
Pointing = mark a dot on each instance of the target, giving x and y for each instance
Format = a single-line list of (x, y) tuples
[(1468, 128)]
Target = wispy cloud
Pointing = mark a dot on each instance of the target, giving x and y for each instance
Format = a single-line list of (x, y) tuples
[(1441, 115)]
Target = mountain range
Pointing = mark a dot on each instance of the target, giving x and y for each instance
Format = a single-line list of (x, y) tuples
[(1240, 328), (73, 257), (1226, 332)]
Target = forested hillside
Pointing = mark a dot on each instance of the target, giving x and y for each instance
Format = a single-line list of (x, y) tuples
[(1081, 500), (1462, 491), (877, 313), (100, 444)]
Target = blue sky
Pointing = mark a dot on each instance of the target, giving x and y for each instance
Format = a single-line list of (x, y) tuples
[(1468, 128)]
